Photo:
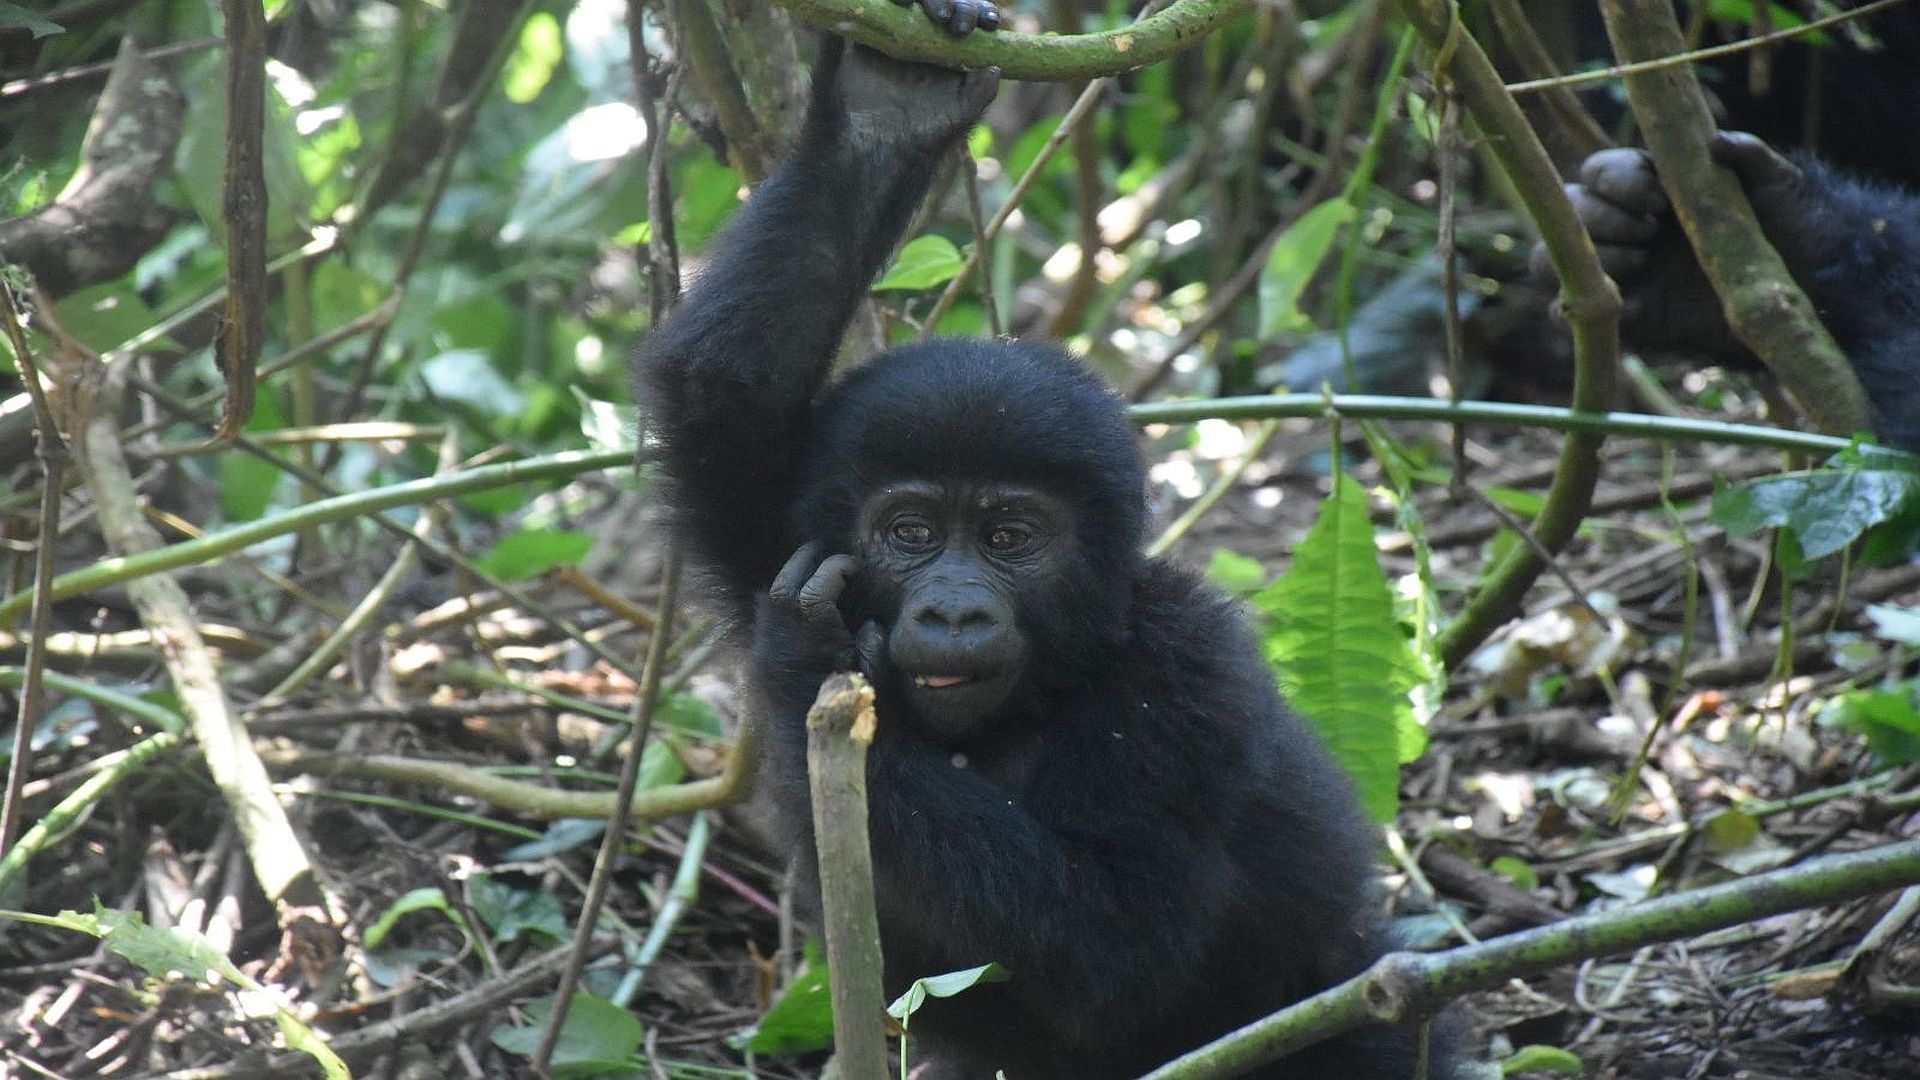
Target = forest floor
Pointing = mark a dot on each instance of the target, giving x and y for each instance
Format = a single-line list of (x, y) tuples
[(1525, 757)]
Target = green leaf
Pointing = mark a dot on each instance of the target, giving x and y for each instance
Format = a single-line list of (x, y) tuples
[(527, 553), (926, 261), (1518, 871), (1295, 258), (1729, 830), (424, 898), (513, 913), (248, 483), (598, 1038), (179, 951), (802, 1020), (15, 15), (1824, 509), (943, 986), (1543, 1059), (1342, 656), (1888, 719), (1238, 574)]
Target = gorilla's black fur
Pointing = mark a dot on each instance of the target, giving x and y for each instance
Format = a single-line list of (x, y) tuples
[(1083, 770)]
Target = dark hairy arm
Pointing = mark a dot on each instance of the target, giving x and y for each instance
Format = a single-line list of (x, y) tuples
[(729, 378), (1852, 246)]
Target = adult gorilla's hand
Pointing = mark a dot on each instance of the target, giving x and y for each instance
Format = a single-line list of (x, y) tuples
[(959, 17)]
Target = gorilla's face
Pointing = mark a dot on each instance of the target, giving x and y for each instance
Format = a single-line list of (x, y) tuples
[(956, 574)]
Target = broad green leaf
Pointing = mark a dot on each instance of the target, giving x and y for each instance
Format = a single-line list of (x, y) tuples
[(926, 261), (802, 1020), (1295, 258), (1889, 720), (943, 986), (1825, 509), (1543, 1059), (1343, 657), (598, 1038), (528, 553)]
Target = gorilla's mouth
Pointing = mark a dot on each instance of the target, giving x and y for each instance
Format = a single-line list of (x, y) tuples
[(942, 682)]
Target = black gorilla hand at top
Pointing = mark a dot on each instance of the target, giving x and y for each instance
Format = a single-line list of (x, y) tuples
[(1852, 246), (959, 17), (1082, 768)]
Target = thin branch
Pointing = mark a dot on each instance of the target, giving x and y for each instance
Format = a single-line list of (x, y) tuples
[(1682, 59)]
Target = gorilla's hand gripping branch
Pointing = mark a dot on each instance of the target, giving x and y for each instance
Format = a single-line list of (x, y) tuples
[(907, 35)]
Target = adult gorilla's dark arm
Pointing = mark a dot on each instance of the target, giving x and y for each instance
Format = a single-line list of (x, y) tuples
[(729, 378), (1851, 245)]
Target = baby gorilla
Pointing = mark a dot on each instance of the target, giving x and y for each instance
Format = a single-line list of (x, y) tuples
[(1852, 246), (1082, 769)]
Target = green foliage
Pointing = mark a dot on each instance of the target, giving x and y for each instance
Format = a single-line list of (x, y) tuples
[(526, 553), (1343, 656), (1889, 718), (1826, 509), (178, 951), (1295, 258), (801, 1021), (515, 913), (943, 986), (1547, 1059), (425, 898), (924, 262), (597, 1038)]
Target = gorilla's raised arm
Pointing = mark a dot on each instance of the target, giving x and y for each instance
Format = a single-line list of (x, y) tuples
[(729, 378)]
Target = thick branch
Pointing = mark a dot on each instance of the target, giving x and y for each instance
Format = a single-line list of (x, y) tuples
[(1592, 305), (1764, 308), (274, 850), (839, 729), (106, 218), (904, 33), (1402, 987)]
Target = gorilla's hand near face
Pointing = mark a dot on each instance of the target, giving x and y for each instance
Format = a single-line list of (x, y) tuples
[(800, 637)]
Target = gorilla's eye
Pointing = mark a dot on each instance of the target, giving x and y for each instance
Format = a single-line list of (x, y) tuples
[(912, 534), (1009, 539)]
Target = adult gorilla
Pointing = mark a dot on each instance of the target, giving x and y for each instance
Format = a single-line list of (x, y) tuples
[(1082, 769)]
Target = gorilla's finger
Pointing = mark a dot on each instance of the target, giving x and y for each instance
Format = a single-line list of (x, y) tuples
[(963, 18), (793, 577), (989, 16), (1626, 179), (1768, 178), (940, 11), (822, 591), (1622, 263), (870, 649), (1609, 223)]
